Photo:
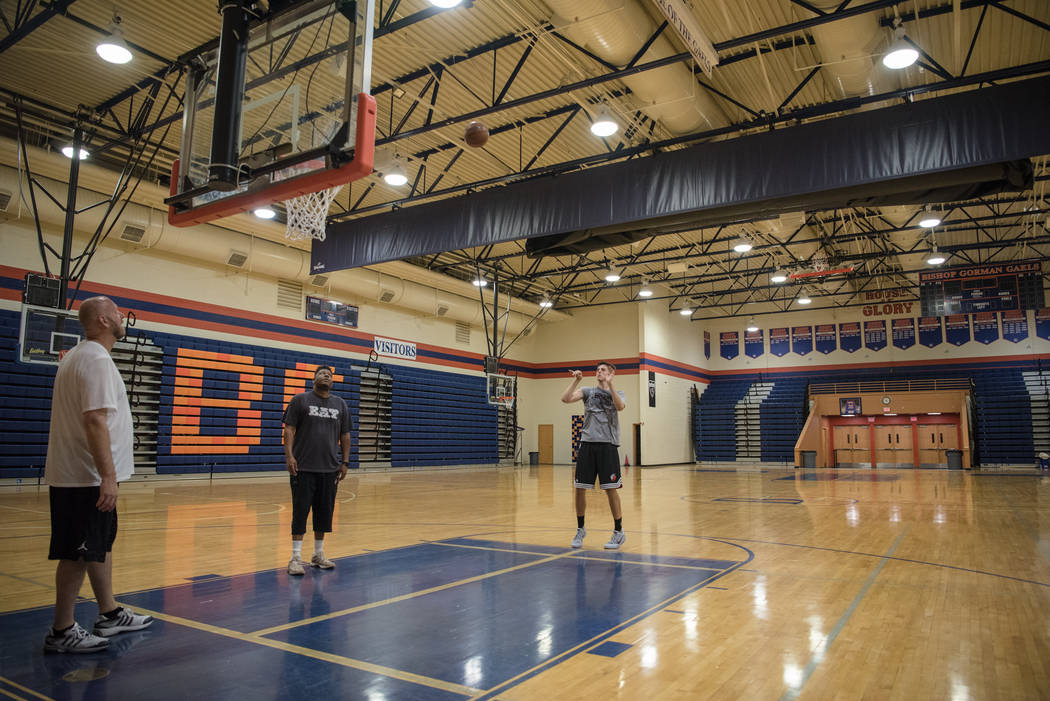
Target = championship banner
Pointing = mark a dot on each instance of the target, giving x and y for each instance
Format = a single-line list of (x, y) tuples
[(875, 334), (779, 342), (1042, 323), (802, 339), (824, 338), (730, 346), (903, 331), (957, 329), (985, 327), (1015, 325), (707, 344), (753, 343), (930, 334), (849, 336)]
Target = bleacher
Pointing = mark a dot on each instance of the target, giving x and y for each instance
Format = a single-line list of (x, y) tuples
[(783, 414), (1004, 418), (25, 406), (717, 419)]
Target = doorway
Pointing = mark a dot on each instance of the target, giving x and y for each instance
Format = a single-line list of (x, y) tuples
[(545, 432)]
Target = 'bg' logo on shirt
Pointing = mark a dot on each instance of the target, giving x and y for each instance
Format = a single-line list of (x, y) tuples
[(324, 412)]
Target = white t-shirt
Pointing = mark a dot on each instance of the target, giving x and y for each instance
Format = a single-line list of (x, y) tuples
[(87, 379)]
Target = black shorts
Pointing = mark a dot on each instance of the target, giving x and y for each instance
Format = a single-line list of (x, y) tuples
[(601, 461), (313, 491), (79, 531)]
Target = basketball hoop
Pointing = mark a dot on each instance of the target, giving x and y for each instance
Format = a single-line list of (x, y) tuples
[(307, 213), (501, 389)]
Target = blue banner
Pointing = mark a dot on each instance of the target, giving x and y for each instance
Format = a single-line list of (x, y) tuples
[(779, 342), (730, 345), (1042, 323), (875, 334), (957, 329), (1015, 325), (802, 339), (707, 344), (753, 343), (903, 332), (849, 336), (824, 338), (985, 327), (930, 331)]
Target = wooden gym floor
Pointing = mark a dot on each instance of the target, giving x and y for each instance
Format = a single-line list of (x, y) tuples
[(460, 583)]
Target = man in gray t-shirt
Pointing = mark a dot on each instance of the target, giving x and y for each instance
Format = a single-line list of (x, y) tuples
[(315, 423), (599, 455)]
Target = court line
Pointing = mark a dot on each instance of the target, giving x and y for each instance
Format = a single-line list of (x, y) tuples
[(576, 555), (5, 692), (898, 559), (410, 595), (818, 655), (315, 654), (602, 637), (18, 686)]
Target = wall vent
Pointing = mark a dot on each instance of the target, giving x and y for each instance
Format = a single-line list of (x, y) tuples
[(133, 233), (319, 280), (442, 309), (236, 259), (289, 295), (5, 200), (463, 333), (386, 295)]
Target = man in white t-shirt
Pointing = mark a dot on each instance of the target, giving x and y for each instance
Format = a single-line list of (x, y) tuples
[(89, 451)]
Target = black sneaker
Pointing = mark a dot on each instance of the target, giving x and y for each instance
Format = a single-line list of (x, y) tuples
[(125, 621), (75, 639)]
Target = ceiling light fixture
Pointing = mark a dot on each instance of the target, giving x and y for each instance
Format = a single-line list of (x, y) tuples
[(779, 276), (113, 48), (901, 53), (480, 282), (604, 125), (686, 311), (265, 213), (445, 4), (935, 257), (751, 325), (742, 245), (395, 175), (67, 151), (546, 303), (929, 218), (612, 275), (645, 291), (803, 297)]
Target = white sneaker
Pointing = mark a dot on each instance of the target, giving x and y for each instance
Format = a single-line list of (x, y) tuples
[(125, 621), (76, 639), (577, 540), (295, 567), (616, 541)]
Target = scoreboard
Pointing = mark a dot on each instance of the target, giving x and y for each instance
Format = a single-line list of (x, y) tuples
[(982, 288), (331, 312)]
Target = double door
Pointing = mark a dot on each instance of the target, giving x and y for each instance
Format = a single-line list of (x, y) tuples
[(852, 446), (934, 440), (893, 445)]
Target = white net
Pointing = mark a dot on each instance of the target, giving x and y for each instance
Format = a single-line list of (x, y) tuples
[(307, 214)]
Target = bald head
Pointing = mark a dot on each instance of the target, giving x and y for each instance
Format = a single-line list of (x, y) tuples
[(101, 320)]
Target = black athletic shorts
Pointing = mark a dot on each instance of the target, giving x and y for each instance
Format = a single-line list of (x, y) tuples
[(79, 531), (313, 491), (601, 461)]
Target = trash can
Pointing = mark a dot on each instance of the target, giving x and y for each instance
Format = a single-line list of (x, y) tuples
[(809, 458), (954, 459), (534, 458)]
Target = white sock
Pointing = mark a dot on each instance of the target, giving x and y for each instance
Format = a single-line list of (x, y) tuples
[(318, 547), (297, 549)]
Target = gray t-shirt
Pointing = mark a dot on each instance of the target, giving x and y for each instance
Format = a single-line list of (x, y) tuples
[(601, 421), (318, 424)]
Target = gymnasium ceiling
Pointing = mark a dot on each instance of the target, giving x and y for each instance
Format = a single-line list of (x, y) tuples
[(536, 73)]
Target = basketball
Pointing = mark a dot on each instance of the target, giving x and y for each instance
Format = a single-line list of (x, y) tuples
[(476, 135)]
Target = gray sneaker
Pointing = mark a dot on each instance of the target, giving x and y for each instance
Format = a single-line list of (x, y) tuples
[(296, 567), (125, 621), (577, 541), (76, 639), (616, 541)]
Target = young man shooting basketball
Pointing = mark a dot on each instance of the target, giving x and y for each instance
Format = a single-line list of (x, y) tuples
[(598, 456)]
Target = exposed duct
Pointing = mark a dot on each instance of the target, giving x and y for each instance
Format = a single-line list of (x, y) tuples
[(616, 30), (847, 49), (217, 246)]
